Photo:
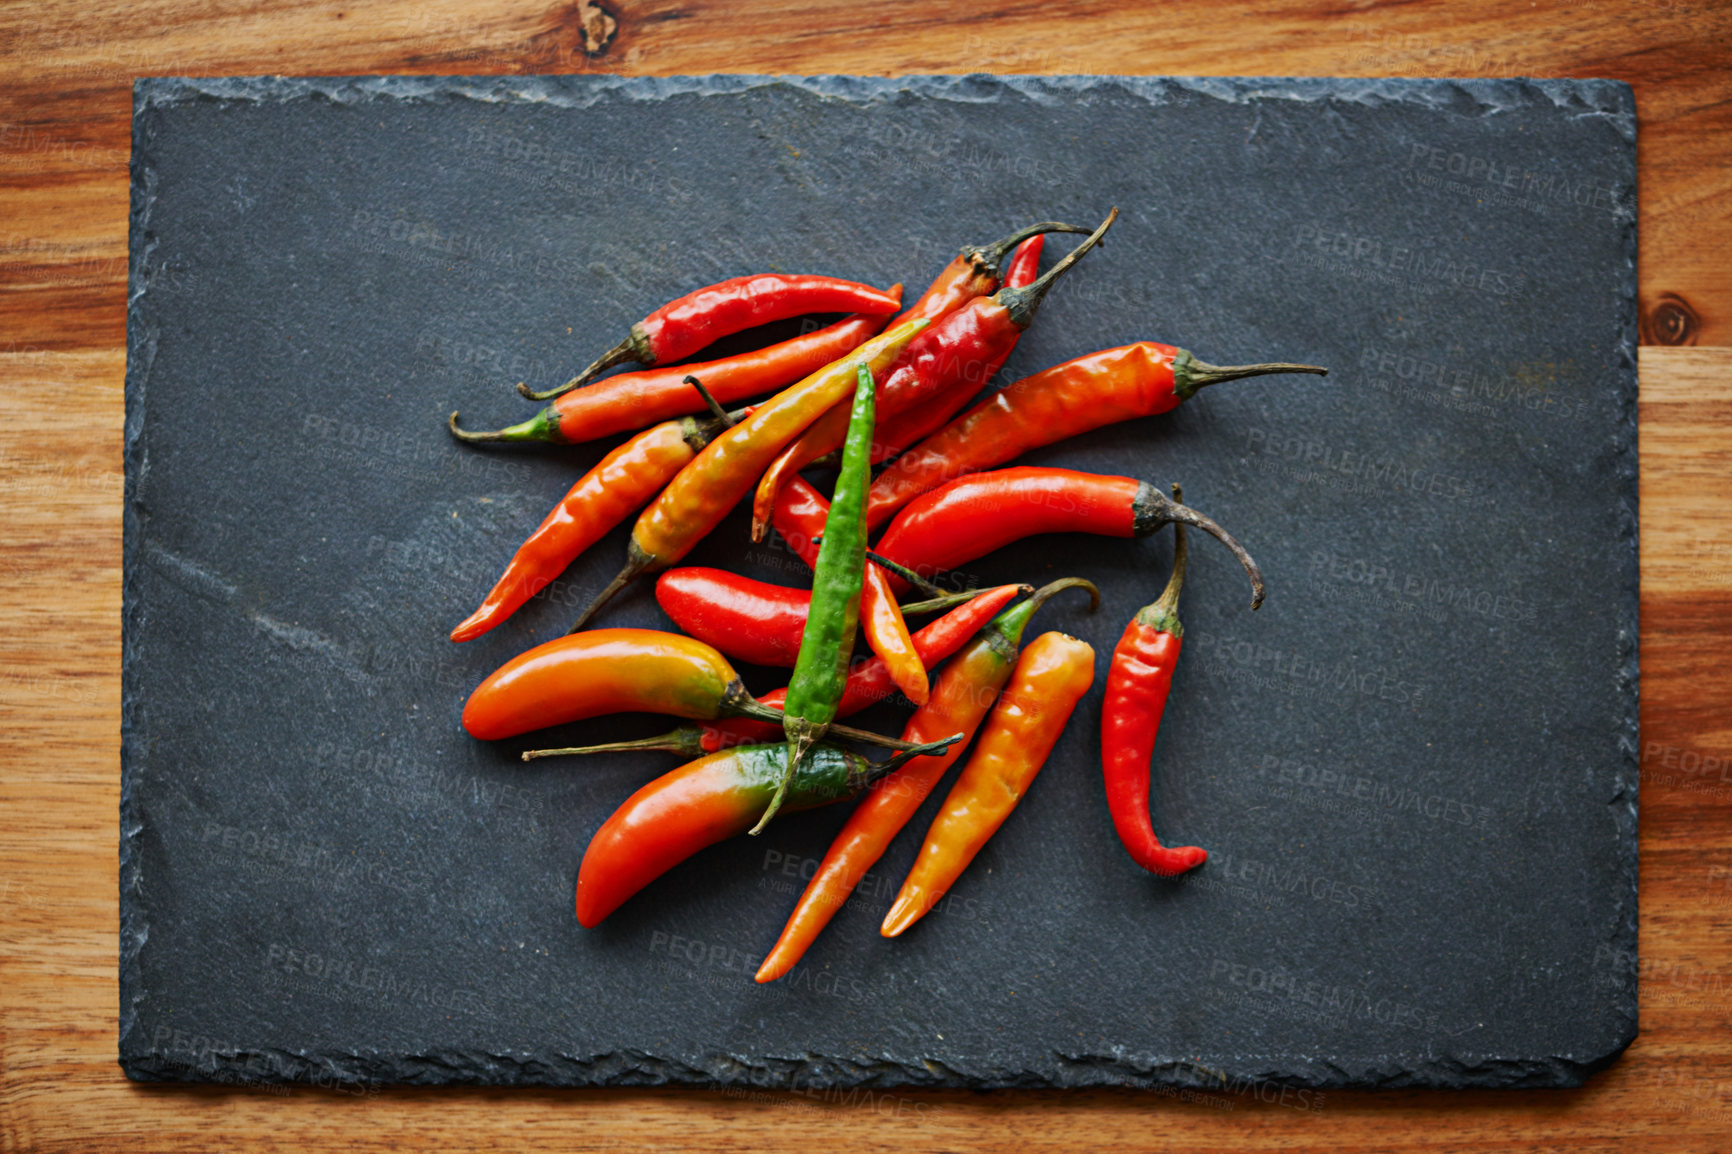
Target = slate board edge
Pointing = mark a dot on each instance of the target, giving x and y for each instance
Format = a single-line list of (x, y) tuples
[(1611, 99)]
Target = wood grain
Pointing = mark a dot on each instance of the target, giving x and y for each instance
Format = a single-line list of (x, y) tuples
[(65, 76)]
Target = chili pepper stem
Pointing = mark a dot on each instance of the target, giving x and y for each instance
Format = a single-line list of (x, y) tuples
[(721, 414), (987, 256), (637, 563), (633, 348), (1023, 303), (802, 735), (758, 711), (537, 428), (688, 741), (1046, 592), (950, 601), (1153, 509), (1190, 374), (1163, 613)]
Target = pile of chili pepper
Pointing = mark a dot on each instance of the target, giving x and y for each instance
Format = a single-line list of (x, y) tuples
[(876, 388)]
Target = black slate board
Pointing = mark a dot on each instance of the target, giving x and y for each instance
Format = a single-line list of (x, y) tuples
[(1415, 766)]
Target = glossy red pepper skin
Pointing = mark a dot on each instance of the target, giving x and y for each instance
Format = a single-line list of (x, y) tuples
[(1066, 400), (746, 619), (622, 482), (1138, 681), (972, 516), (598, 672), (698, 805), (975, 339), (682, 327), (869, 681), (965, 345), (925, 416)]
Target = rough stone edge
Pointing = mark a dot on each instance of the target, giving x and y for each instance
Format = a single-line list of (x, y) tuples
[(140, 357), (1613, 100)]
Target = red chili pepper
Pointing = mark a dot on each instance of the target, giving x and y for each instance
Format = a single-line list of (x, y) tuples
[(695, 321), (623, 480), (1138, 681), (972, 516), (700, 804), (745, 619), (959, 347), (629, 401), (868, 684), (959, 703), (799, 516), (1099, 389), (909, 426)]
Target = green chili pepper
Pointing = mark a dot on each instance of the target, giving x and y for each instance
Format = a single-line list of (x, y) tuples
[(821, 669)]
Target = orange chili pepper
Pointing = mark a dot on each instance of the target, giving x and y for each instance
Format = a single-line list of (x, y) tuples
[(703, 492), (621, 482), (1099, 389), (964, 693), (618, 671), (1050, 678), (629, 401)]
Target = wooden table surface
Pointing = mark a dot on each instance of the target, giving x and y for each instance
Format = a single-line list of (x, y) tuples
[(65, 99)]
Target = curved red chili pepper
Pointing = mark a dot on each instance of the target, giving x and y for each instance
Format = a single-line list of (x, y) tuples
[(896, 433), (963, 345), (1099, 389), (1138, 681), (972, 516), (629, 401), (695, 321)]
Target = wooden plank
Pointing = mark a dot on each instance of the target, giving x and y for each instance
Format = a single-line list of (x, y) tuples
[(64, 107)]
